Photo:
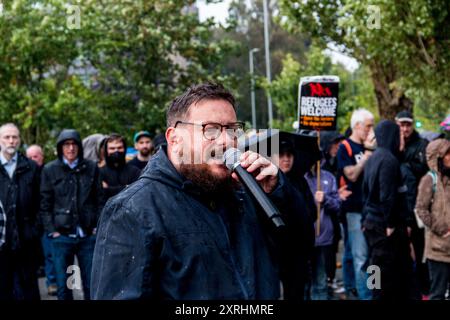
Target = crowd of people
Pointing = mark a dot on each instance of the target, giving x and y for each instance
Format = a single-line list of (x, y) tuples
[(49, 212), (160, 226)]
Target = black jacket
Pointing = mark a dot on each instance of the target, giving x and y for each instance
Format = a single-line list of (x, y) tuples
[(414, 156), (413, 167), (161, 239), (118, 178), (70, 197), (20, 198), (384, 194)]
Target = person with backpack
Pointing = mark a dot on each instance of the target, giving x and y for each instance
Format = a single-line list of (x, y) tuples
[(433, 208), (352, 157)]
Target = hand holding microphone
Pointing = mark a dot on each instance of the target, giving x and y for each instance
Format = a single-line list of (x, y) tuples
[(242, 165)]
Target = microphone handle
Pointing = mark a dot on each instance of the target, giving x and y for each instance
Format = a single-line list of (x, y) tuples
[(250, 183)]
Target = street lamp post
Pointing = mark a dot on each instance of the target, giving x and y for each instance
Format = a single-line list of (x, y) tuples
[(267, 51), (252, 85)]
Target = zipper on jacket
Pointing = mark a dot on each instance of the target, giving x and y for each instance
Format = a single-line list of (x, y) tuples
[(236, 271)]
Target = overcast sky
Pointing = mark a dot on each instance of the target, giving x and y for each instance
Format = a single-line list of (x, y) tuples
[(220, 12)]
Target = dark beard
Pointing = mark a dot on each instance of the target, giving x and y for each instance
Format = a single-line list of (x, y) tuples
[(145, 152), (200, 175)]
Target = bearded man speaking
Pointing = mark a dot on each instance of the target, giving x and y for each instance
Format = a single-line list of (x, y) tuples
[(187, 229)]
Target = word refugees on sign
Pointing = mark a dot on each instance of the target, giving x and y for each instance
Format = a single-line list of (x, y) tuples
[(318, 102)]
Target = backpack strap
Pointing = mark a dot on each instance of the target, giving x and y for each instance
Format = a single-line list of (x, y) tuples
[(433, 175), (349, 150)]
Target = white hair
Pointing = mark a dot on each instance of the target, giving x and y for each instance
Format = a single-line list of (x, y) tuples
[(8, 125), (359, 116)]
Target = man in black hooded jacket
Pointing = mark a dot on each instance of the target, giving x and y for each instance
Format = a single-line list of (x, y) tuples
[(385, 216), (187, 229), (117, 174), (71, 200)]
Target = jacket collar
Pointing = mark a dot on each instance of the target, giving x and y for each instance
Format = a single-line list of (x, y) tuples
[(23, 164), (4, 161), (160, 168)]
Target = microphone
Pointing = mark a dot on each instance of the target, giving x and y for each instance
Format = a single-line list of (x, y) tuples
[(231, 160)]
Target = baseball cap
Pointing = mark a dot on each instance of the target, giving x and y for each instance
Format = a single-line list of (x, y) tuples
[(141, 134), (404, 116)]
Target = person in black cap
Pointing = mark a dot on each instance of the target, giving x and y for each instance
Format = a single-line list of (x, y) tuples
[(143, 144), (71, 202), (413, 167), (412, 145)]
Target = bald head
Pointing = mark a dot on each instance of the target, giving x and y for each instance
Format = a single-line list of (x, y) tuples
[(35, 153)]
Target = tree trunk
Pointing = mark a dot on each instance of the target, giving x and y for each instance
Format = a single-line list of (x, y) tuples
[(390, 97)]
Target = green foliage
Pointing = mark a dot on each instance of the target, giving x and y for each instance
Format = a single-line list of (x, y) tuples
[(117, 72), (407, 52), (245, 27), (355, 90)]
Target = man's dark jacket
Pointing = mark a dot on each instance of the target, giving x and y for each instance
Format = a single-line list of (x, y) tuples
[(70, 197), (162, 239), (20, 198), (414, 155), (118, 178), (413, 167), (383, 191)]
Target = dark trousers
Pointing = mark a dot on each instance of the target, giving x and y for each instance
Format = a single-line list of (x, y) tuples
[(18, 280), (440, 278), (421, 269), (330, 262), (64, 251), (293, 278), (392, 255)]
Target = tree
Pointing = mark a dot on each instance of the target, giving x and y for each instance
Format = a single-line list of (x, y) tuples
[(407, 51), (245, 27), (116, 72), (354, 89)]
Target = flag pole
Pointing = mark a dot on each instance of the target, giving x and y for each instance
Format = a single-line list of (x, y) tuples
[(318, 186)]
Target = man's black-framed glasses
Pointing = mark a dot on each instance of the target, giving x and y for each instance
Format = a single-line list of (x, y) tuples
[(213, 130)]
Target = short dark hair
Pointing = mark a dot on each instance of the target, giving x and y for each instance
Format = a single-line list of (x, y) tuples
[(114, 137), (179, 107)]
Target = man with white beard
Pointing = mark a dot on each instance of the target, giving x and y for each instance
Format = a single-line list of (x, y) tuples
[(19, 194)]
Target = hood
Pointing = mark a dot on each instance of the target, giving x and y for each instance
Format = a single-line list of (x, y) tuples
[(161, 169), (91, 146), (387, 134), (327, 138), (436, 150), (69, 134)]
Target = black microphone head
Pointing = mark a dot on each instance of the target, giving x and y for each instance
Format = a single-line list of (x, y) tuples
[(231, 158)]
